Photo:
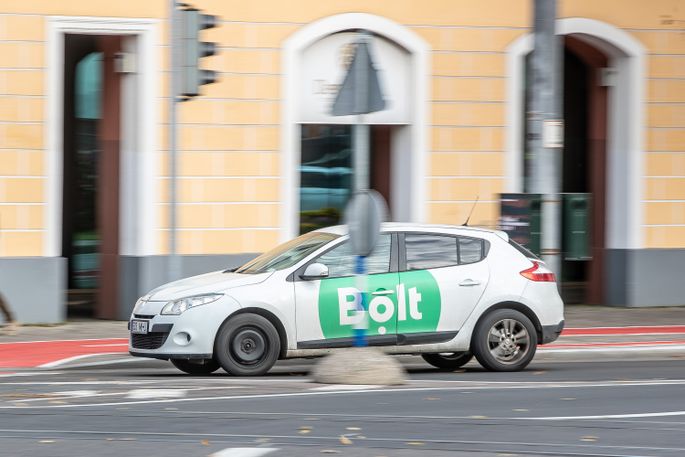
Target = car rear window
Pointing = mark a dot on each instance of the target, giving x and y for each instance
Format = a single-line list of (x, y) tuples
[(523, 250), (426, 251)]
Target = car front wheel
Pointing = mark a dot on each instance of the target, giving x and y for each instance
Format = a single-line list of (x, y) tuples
[(505, 340), (196, 367), (448, 361), (247, 345)]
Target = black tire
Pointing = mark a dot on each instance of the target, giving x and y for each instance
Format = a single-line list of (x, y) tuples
[(504, 340), (247, 345), (447, 361), (196, 366)]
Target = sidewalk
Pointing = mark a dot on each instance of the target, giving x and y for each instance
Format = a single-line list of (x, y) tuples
[(587, 328)]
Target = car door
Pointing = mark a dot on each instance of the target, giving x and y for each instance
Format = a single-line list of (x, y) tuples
[(442, 279), (326, 309)]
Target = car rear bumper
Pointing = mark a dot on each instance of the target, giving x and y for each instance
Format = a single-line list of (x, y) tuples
[(551, 332)]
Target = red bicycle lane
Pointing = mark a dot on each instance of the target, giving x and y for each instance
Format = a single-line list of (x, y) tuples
[(35, 354), (32, 354)]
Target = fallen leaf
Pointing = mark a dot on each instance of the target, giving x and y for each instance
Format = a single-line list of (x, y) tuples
[(431, 398), (204, 442), (537, 373), (262, 440), (353, 429), (589, 438), (46, 441), (345, 440), (478, 417), (568, 398), (415, 443), (520, 410)]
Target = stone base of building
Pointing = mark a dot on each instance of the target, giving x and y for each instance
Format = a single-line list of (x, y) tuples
[(645, 277), (35, 287)]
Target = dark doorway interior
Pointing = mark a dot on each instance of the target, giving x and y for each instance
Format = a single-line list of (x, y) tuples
[(584, 161), (90, 173)]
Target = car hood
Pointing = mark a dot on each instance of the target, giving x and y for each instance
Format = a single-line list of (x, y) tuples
[(215, 282)]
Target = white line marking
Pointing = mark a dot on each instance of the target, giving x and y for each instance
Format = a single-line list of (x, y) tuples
[(244, 452), (347, 387), (608, 416), (57, 363), (29, 374), (104, 345), (142, 394), (351, 392), (661, 348), (59, 341), (105, 362)]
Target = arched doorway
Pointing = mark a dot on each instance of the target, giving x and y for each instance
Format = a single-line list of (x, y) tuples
[(315, 145), (603, 151)]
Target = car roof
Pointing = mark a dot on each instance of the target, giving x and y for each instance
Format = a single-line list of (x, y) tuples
[(415, 227)]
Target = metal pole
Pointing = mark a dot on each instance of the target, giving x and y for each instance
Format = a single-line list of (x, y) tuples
[(360, 146), (174, 267), (544, 120)]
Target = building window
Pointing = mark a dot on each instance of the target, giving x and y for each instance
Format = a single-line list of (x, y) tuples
[(325, 174)]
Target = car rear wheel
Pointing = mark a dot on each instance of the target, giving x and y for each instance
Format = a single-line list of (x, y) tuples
[(247, 345), (197, 367), (448, 361), (505, 340)]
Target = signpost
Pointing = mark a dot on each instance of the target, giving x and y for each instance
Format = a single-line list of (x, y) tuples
[(360, 93)]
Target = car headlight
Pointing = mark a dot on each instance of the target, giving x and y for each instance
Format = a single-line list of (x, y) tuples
[(179, 306)]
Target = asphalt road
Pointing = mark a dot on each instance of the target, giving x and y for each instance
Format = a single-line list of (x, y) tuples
[(594, 407)]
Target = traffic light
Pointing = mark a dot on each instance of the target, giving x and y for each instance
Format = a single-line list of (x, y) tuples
[(193, 49)]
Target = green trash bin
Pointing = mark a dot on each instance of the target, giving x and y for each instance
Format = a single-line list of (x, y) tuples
[(576, 228)]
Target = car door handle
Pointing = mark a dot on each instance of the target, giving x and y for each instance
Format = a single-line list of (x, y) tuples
[(383, 292), (469, 283)]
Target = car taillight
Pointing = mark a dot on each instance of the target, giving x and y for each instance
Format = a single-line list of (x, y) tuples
[(539, 273)]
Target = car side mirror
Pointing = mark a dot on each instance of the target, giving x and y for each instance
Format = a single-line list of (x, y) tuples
[(315, 271)]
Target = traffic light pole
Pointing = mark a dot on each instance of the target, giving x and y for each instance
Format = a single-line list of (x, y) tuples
[(174, 265), (545, 124)]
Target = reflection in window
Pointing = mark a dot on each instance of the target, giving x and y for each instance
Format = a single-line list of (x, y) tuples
[(325, 174), (470, 250), (341, 262), (430, 251)]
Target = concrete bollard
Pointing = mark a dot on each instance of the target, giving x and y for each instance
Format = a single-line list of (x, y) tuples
[(359, 365)]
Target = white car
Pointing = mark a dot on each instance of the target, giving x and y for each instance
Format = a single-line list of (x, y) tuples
[(444, 292)]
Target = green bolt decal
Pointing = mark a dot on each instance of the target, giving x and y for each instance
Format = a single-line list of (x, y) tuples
[(413, 305)]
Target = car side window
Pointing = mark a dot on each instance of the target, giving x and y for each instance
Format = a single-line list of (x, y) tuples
[(341, 262), (430, 251), (470, 250)]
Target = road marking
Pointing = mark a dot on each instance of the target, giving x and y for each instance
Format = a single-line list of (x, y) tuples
[(347, 387), (608, 416), (142, 394), (495, 386), (244, 452), (122, 340), (625, 330), (105, 345), (623, 348), (615, 344), (29, 374), (57, 363)]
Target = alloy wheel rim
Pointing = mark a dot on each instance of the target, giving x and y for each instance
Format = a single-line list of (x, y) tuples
[(508, 341)]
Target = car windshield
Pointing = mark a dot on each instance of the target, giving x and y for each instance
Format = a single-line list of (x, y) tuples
[(287, 254)]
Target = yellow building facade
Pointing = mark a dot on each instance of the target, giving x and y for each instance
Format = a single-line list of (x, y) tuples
[(454, 131)]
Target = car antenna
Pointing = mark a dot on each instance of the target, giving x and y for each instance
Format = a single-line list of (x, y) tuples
[(466, 222)]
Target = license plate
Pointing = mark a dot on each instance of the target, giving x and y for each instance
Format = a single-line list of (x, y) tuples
[(139, 327)]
